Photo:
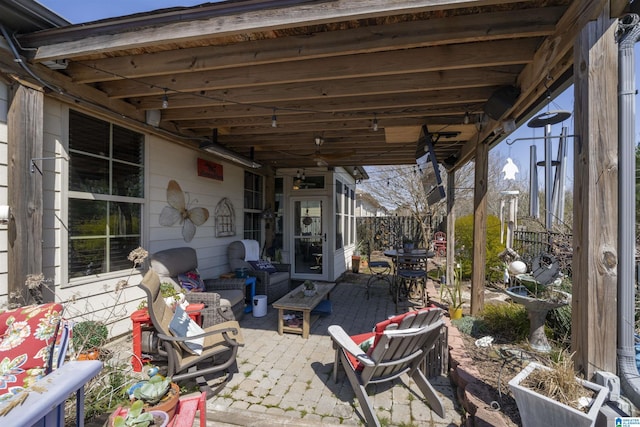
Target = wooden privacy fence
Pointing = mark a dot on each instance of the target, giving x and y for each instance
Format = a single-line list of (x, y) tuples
[(388, 231)]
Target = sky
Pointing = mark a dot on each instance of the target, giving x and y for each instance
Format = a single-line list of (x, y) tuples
[(79, 11), (516, 146)]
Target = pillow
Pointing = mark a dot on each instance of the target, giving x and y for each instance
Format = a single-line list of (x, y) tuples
[(263, 265), (381, 326), (191, 281), (28, 336), (183, 326)]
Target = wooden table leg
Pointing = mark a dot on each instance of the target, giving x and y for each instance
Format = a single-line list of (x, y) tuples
[(280, 321), (306, 323)]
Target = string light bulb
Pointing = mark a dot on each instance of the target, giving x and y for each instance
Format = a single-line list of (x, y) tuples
[(298, 174), (375, 123), (466, 119), (303, 177), (165, 100), (274, 119)]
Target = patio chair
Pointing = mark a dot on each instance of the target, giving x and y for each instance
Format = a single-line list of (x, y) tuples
[(191, 355), (224, 298), (380, 271), (395, 347)]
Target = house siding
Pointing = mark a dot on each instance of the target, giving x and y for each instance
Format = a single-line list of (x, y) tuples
[(4, 108), (95, 298)]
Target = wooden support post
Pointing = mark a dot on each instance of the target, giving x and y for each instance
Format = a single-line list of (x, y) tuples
[(451, 225), (593, 336), (25, 141), (479, 228)]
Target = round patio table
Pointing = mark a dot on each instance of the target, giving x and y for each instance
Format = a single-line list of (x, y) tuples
[(411, 268)]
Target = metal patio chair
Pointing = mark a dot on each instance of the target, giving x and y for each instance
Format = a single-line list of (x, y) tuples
[(396, 346), (219, 348)]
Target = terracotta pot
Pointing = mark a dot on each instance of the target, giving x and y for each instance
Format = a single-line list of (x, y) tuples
[(169, 402), (355, 263), (93, 354)]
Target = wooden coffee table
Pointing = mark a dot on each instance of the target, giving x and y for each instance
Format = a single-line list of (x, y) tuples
[(297, 301)]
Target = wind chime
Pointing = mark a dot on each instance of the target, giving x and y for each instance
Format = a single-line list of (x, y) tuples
[(553, 184)]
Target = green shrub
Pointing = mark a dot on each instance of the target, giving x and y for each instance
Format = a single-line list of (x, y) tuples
[(494, 266), (470, 325), (89, 335), (507, 322)]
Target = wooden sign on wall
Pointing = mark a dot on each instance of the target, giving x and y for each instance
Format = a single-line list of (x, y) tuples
[(210, 169)]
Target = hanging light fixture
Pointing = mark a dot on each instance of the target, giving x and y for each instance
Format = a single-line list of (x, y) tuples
[(274, 119), (466, 119), (375, 122), (165, 100)]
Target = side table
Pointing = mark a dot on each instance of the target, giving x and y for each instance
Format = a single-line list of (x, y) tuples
[(250, 281), (141, 321)]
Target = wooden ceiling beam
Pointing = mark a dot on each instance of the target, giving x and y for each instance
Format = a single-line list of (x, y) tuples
[(368, 39), (252, 125), (223, 23), (376, 85), (438, 58), (345, 107)]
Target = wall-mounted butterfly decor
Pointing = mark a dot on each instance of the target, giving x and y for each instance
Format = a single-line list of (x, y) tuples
[(178, 211)]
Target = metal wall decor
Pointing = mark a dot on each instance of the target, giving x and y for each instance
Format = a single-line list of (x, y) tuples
[(178, 212), (225, 218)]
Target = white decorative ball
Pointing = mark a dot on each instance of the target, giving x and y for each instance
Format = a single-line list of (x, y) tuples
[(517, 267)]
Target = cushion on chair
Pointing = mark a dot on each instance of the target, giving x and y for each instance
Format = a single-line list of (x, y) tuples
[(364, 340), (263, 266), (183, 326), (27, 335), (191, 281)]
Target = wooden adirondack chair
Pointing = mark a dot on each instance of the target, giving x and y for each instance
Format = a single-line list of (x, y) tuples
[(396, 346)]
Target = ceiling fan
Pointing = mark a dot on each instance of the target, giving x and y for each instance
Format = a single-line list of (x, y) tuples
[(324, 159)]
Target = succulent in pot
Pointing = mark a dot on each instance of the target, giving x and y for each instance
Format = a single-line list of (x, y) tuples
[(309, 288), (136, 416), (156, 393)]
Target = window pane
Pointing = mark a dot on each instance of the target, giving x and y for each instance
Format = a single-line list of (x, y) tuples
[(105, 159), (88, 134), (88, 174), (127, 180), (86, 257), (125, 219), (119, 252), (87, 218), (127, 145)]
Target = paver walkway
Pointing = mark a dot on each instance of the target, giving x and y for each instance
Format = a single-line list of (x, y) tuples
[(286, 380)]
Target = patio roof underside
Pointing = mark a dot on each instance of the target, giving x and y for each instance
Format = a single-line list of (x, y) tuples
[(324, 69)]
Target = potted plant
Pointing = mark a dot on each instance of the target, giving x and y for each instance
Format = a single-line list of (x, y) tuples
[(170, 294), (136, 416), (158, 393), (556, 392), (453, 293), (309, 288), (87, 338)]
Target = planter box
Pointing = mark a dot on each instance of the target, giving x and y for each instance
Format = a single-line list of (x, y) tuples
[(537, 410)]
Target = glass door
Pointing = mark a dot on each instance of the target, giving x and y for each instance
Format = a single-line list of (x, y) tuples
[(309, 239)]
